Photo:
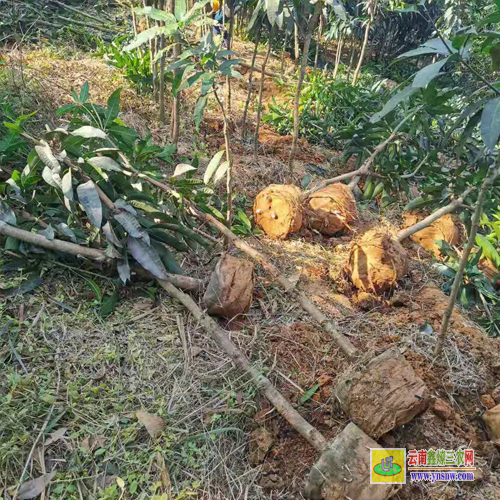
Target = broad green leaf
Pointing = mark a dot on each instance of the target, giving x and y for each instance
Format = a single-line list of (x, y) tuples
[(45, 154), (226, 67), (221, 171), (418, 52), (495, 57), (48, 232), (123, 269), (51, 178), (490, 123), (489, 250), (66, 231), (84, 92), (243, 218), (157, 14), (89, 198), (199, 110), (393, 102), (67, 185), (107, 229), (143, 38), (108, 307), (168, 259), (105, 163), (308, 394), (113, 107), (147, 257), (182, 168), (89, 132), (131, 225), (272, 7), (427, 74), (7, 214), (212, 166), (180, 9)]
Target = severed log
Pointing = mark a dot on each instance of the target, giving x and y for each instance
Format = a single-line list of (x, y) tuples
[(254, 68), (184, 282)]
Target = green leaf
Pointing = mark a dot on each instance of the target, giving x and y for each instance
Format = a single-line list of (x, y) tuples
[(180, 9), (243, 218), (157, 14), (495, 57), (199, 110), (105, 163), (67, 185), (489, 250), (45, 154), (96, 289), (143, 38), (109, 304), (113, 107), (89, 132), (123, 269), (221, 171), (226, 67), (131, 225), (393, 102), (89, 198), (7, 214), (168, 259), (147, 257), (490, 123), (212, 166), (182, 168), (427, 74), (308, 394), (272, 7), (66, 231), (84, 92)]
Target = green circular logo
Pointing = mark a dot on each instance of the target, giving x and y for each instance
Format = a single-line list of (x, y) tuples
[(396, 469)]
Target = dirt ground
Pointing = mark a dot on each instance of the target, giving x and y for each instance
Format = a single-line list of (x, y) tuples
[(94, 374)]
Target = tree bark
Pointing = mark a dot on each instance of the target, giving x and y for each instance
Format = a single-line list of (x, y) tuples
[(162, 73), (250, 81), (229, 45), (261, 91), (320, 34), (296, 114), (457, 282), (176, 101), (362, 54), (338, 56)]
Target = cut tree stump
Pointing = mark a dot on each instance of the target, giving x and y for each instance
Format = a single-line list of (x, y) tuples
[(383, 394), (230, 290), (278, 211), (331, 209), (343, 471)]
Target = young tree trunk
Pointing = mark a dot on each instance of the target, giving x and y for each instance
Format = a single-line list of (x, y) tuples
[(320, 34), (229, 159), (362, 54), (250, 81), (296, 42), (351, 57), (229, 45), (283, 54), (261, 91), (338, 56), (296, 114), (153, 47), (176, 101), (162, 73), (457, 282)]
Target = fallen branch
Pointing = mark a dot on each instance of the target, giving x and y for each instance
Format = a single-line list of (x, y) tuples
[(184, 282), (81, 12), (87, 25), (281, 404), (405, 233)]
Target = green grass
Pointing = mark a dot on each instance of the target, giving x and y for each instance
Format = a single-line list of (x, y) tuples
[(89, 376)]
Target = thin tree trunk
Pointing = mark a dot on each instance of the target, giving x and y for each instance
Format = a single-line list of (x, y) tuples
[(296, 114), (338, 56), (176, 101), (261, 91), (351, 57), (229, 45), (362, 55), (457, 282), (250, 81), (154, 51), (320, 34), (162, 73), (296, 42), (229, 159), (283, 54)]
